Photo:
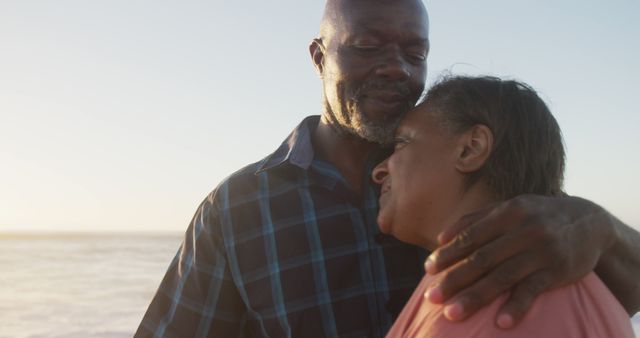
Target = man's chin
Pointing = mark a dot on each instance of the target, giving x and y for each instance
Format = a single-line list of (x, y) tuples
[(382, 113), (382, 135), (384, 224)]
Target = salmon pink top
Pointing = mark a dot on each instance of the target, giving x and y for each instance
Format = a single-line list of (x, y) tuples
[(585, 309)]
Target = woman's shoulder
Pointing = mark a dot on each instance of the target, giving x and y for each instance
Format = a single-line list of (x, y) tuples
[(583, 309)]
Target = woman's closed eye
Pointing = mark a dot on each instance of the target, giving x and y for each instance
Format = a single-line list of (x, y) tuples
[(400, 142)]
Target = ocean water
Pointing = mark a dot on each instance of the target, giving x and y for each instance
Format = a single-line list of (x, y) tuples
[(83, 286), (79, 285)]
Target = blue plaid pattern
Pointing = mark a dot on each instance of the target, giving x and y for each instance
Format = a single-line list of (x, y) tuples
[(284, 248)]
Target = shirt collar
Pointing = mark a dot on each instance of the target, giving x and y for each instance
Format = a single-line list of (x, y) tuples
[(296, 149)]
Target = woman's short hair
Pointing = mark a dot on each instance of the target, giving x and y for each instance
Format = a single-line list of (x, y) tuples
[(528, 153)]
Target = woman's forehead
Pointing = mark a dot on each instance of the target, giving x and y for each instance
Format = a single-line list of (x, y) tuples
[(420, 117)]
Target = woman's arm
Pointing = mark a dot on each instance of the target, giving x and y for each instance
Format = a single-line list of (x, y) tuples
[(619, 266)]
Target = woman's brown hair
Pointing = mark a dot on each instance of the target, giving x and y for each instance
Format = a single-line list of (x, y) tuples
[(528, 153)]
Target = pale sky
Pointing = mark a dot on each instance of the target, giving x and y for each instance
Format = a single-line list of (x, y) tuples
[(123, 115)]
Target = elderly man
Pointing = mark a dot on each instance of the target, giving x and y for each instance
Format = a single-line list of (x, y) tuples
[(289, 246)]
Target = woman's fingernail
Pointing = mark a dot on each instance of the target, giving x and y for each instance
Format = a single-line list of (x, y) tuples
[(453, 311), (430, 265), (434, 295), (505, 321)]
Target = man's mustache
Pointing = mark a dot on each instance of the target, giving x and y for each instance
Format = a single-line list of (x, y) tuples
[(399, 88)]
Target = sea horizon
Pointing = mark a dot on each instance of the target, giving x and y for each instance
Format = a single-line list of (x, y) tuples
[(72, 232)]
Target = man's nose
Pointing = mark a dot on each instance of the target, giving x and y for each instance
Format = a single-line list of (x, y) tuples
[(380, 172), (394, 66)]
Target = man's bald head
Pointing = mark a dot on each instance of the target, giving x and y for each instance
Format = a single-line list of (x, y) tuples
[(371, 56), (335, 12)]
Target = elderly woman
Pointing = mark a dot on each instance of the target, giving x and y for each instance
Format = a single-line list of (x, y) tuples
[(471, 143)]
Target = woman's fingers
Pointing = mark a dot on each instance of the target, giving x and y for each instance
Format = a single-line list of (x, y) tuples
[(522, 297), (484, 290)]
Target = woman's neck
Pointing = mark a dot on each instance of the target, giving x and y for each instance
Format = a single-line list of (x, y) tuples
[(476, 198)]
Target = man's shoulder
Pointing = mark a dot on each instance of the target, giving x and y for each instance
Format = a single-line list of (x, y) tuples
[(239, 204), (276, 173), (250, 183)]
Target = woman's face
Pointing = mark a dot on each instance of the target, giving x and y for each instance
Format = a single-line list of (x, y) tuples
[(420, 183)]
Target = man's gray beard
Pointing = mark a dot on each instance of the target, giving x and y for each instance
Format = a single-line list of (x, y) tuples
[(350, 120), (361, 126), (371, 131)]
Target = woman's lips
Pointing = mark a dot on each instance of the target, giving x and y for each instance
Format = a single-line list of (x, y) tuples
[(386, 186), (384, 196)]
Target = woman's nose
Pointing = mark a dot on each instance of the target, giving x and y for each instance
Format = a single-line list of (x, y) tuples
[(380, 172)]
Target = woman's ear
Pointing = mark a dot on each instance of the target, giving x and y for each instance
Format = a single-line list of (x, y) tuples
[(476, 145), (316, 49)]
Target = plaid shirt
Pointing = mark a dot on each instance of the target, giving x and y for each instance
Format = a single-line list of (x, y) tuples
[(284, 248)]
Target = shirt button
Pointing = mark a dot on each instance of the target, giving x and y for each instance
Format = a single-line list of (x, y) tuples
[(379, 238)]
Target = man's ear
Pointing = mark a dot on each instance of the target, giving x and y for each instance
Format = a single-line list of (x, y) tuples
[(316, 49), (476, 145)]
